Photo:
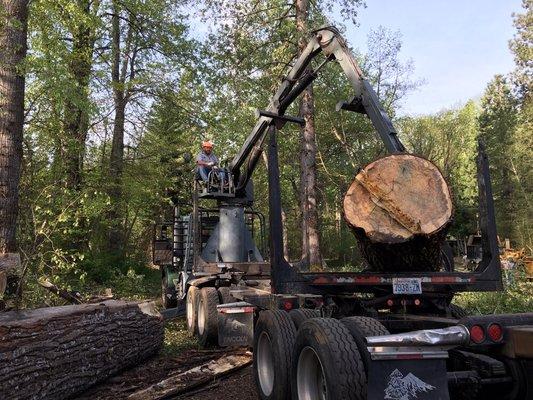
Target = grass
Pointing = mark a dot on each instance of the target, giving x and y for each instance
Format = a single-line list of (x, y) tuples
[(177, 339), (515, 298)]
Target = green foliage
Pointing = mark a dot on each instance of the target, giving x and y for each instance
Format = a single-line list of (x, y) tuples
[(181, 90), (514, 299), (522, 47)]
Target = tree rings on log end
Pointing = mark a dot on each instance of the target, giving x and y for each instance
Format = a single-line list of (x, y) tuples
[(397, 204)]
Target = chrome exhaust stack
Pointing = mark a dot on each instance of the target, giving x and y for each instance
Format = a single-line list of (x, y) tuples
[(452, 336)]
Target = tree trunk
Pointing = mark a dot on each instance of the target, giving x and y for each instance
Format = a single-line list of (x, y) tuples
[(308, 195), (13, 27), (116, 164), (76, 116), (57, 352), (399, 208)]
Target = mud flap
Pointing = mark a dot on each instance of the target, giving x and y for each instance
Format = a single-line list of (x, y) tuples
[(235, 324), (397, 373)]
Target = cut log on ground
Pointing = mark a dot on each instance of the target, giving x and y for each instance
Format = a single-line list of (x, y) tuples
[(399, 208), (193, 378), (57, 352)]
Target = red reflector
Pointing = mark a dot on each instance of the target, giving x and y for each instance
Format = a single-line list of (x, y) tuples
[(390, 302), (495, 332), (477, 334), (409, 356), (287, 305), (417, 302)]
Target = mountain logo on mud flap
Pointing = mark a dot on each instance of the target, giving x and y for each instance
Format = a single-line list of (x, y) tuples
[(405, 387)]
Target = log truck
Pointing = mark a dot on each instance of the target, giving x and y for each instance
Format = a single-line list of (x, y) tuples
[(392, 335)]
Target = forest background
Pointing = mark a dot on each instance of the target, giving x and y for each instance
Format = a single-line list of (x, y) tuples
[(118, 90)]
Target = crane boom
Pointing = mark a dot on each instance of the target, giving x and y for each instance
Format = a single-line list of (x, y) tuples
[(326, 40)]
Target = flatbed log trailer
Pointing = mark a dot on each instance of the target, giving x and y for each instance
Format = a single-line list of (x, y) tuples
[(333, 335)]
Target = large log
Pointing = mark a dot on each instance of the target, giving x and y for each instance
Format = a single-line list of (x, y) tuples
[(57, 352), (399, 208)]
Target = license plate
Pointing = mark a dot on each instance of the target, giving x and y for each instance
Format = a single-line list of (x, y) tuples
[(406, 285)]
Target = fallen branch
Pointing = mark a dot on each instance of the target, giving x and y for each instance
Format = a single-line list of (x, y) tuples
[(193, 378), (71, 297)]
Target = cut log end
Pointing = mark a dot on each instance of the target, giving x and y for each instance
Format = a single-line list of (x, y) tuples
[(399, 207)]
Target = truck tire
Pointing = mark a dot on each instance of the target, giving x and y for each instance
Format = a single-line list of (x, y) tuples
[(457, 311), (192, 309), (361, 327), (274, 337), (207, 316), (327, 363), (168, 294), (300, 315), (224, 295)]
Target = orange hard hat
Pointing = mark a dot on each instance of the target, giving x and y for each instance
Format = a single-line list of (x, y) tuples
[(207, 143)]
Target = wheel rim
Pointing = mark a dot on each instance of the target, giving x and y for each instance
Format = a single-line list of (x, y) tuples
[(190, 316), (201, 318), (310, 378), (265, 364)]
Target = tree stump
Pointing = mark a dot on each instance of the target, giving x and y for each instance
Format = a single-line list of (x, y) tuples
[(57, 352), (399, 208)]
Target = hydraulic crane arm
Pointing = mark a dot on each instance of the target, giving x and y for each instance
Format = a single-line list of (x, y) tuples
[(329, 42)]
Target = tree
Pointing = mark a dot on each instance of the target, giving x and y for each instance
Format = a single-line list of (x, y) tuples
[(13, 38), (148, 39), (76, 115), (520, 152), (497, 123), (308, 171), (522, 47), (253, 42), (62, 47)]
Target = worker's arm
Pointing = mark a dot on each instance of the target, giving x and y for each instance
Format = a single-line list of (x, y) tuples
[(204, 163)]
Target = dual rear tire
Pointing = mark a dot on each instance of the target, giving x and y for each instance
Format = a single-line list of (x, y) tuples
[(327, 356), (201, 312), (326, 363), (274, 338)]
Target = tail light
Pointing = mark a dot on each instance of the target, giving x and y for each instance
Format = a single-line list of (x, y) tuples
[(477, 334), (495, 332), (287, 305)]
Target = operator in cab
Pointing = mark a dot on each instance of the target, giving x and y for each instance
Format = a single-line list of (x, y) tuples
[(206, 160)]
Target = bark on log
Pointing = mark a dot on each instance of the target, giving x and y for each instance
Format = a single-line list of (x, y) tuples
[(399, 208), (57, 352)]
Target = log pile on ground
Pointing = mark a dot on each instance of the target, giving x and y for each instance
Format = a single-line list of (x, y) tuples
[(399, 208), (57, 352)]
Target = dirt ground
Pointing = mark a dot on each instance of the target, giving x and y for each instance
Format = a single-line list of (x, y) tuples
[(239, 385)]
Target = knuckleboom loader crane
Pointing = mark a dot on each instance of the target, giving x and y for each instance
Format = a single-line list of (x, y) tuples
[(330, 335)]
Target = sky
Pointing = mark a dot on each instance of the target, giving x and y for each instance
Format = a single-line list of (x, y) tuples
[(456, 46)]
